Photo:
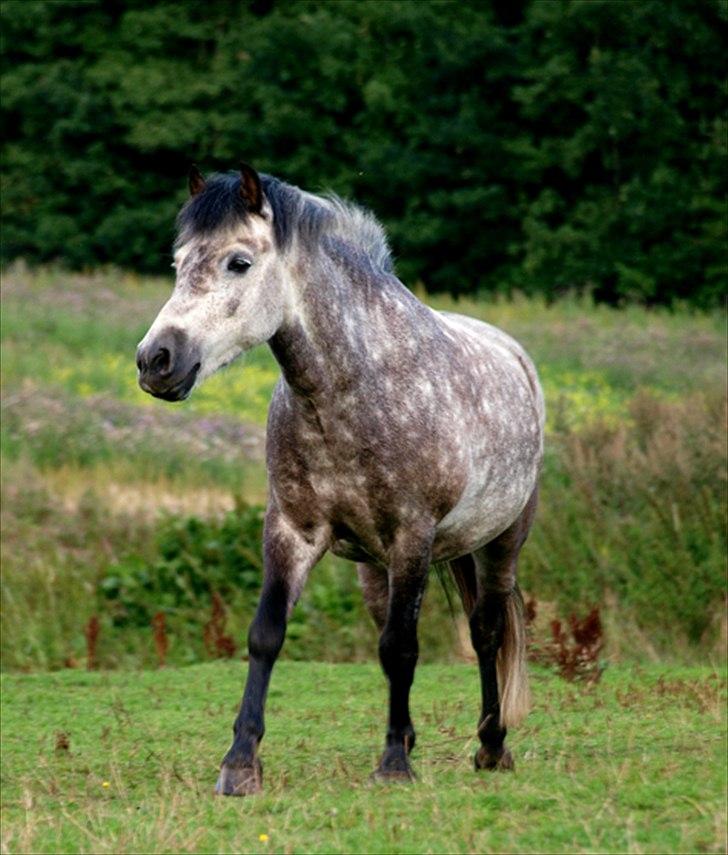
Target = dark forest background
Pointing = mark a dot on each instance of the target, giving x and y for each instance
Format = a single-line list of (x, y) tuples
[(534, 146)]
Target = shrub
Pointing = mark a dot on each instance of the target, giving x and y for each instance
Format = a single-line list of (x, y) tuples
[(197, 560), (633, 513)]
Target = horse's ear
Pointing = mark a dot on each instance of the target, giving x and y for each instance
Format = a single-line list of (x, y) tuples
[(250, 188), (195, 180)]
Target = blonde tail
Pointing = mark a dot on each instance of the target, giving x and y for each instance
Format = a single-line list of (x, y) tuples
[(515, 696)]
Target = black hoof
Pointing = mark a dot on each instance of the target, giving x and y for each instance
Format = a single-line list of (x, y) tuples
[(502, 761), (239, 780), (393, 775), (394, 766)]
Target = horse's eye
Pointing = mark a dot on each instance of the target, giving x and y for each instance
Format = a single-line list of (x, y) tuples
[(238, 264)]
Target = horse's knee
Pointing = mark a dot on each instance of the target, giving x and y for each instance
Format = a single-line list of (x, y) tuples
[(265, 639), (397, 653)]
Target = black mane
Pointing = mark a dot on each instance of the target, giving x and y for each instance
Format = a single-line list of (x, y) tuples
[(220, 203)]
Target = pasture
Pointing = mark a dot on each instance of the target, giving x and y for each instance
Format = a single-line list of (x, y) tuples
[(126, 762), (100, 483)]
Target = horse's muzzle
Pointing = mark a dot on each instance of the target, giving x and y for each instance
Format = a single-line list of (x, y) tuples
[(168, 366)]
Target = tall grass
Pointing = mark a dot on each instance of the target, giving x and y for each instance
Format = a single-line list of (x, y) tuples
[(633, 518), (632, 514)]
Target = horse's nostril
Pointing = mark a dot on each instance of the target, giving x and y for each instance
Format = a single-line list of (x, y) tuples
[(161, 362)]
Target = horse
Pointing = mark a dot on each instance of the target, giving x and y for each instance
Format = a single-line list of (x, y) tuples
[(397, 437)]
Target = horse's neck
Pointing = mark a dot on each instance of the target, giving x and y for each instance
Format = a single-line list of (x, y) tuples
[(347, 315)]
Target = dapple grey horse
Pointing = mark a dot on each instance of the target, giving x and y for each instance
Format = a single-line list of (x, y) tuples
[(397, 437)]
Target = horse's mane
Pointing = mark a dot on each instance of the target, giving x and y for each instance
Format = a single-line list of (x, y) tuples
[(307, 217)]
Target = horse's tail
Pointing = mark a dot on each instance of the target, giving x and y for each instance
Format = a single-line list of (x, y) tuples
[(513, 690)]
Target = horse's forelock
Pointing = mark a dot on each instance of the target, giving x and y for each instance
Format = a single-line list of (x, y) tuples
[(217, 204), (308, 217)]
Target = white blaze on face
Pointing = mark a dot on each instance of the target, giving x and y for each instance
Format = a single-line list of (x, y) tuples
[(231, 293)]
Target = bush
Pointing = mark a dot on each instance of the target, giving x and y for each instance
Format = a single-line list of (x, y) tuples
[(633, 515), (202, 567), (195, 559)]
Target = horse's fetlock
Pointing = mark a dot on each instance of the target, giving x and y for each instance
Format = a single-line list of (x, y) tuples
[(491, 732), (249, 733), (398, 737)]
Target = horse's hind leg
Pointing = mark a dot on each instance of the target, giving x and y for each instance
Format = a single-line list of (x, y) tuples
[(498, 633)]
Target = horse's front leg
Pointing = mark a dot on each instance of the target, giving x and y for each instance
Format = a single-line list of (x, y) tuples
[(289, 554), (398, 652)]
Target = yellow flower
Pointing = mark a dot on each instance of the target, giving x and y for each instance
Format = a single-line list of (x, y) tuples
[(263, 838), (106, 785)]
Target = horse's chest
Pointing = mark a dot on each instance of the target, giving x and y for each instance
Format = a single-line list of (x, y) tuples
[(369, 480)]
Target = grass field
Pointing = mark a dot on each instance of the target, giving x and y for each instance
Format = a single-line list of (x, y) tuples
[(126, 761), (101, 482)]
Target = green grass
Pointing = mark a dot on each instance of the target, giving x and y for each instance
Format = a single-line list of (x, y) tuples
[(633, 764)]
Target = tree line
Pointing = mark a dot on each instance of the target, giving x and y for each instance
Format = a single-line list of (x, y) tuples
[(544, 146)]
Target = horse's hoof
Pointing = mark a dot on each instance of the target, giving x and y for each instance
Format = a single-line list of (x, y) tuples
[(393, 775), (503, 761), (394, 766), (239, 780)]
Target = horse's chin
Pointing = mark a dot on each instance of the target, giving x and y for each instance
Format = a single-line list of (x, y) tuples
[(212, 366)]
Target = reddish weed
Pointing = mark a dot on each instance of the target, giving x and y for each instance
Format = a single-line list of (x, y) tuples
[(213, 634), (91, 631), (575, 653), (161, 642), (63, 741)]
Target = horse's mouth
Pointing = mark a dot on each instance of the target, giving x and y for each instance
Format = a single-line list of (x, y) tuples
[(180, 390)]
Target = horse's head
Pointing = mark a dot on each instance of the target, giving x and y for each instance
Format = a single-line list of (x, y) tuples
[(230, 290)]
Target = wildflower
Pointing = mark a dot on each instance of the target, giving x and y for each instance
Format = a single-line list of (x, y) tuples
[(263, 838), (105, 785)]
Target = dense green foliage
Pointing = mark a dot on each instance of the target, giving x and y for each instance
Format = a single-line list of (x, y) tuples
[(125, 762), (194, 559), (540, 146)]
